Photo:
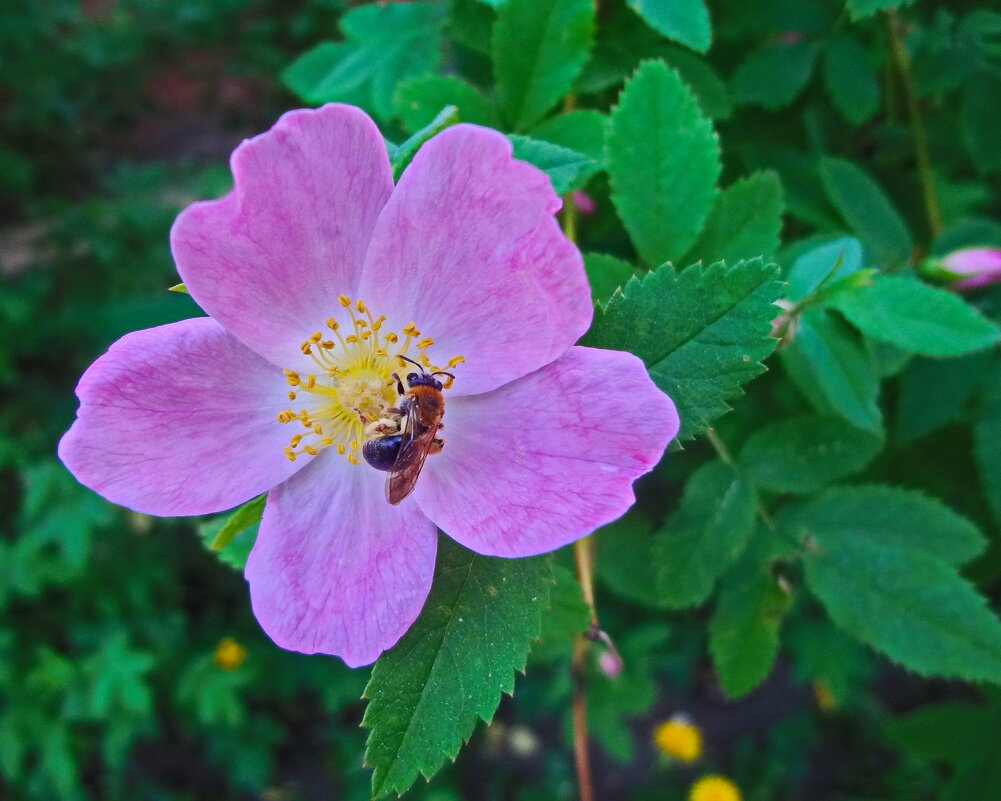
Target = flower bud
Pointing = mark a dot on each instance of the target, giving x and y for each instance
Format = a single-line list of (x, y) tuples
[(968, 268), (582, 200), (610, 663)]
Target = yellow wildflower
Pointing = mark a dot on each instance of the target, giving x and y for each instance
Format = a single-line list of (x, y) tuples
[(714, 788), (679, 738)]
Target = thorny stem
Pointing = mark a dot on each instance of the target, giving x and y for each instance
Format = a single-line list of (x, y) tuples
[(584, 558), (902, 62)]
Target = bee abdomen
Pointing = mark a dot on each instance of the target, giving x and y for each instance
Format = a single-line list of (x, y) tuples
[(381, 452)]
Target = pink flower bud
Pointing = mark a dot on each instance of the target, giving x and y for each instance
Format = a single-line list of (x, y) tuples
[(973, 267), (610, 663), (582, 200)]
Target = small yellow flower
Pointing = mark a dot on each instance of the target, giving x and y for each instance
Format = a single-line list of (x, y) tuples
[(229, 654), (714, 788), (679, 738)]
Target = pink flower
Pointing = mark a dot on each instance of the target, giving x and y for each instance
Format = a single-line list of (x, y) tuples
[(460, 266), (973, 267)]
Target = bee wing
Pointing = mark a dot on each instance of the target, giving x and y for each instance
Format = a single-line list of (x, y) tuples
[(413, 453)]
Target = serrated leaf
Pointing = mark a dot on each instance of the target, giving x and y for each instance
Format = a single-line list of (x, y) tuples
[(866, 209), (685, 21), (583, 131), (702, 333), (904, 602), (828, 364), (744, 222), (539, 48), (859, 9), (418, 101), (662, 157), (450, 668), (566, 615), (902, 518), (851, 78), (567, 169), (803, 453), (710, 89), (987, 444), (744, 628), (385, 44), (916, 317), (705, 535), (773, 76), (606, 274)]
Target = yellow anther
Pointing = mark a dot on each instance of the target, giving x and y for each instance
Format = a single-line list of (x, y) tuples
[(316, 336), (365, 335), (317, 428), (332, 324), (352, 459), (351, 338), (448, 382), (291, 395), (391, 337), (361, 323), (410, 329), (360, 305), (456, 361), (310, 382), (306, 348), (327, 344), (289, 454), (296, 439), (354, 444), (310, 450), (327, 441), (377, 323), (345, 301), (341, 449), (424, 360), (380, 352), (292, 377)]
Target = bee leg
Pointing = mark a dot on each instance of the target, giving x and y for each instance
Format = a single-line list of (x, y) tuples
[(399, 384), (437, 446)]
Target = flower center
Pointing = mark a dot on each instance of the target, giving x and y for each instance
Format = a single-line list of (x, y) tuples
[(353, 387)]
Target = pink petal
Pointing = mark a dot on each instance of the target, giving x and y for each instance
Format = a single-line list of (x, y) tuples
[(548, 458), (468, 249), (269, 260), (179, 420), (336, 569)]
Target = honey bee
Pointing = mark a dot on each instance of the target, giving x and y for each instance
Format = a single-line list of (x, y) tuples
[(418, 420)]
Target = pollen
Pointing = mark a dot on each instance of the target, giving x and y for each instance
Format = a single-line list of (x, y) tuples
[(355, 379)]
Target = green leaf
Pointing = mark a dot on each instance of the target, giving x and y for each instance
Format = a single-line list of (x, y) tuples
[(401, 155), (385, 44), (773, 76), (567, 169), (744, 222), (566, 616), (744, 629), (417, 101), (685, 21), (451, 667), (866, 209), (953, 732), (243, 518), (705, 535), (702, 333), (624, 561), (904, 602), (916, 317), (710, 89), (663, 161), (828, 364), (902, 518), (606, 274), (851, 78), (539, 48), (981, 100), (859, 9), (803, 453), (936, 392), (178, 288), (987, 444), (583, 131), (824, 265)]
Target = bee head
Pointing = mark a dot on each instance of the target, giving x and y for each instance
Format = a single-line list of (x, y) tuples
[(423, 380)]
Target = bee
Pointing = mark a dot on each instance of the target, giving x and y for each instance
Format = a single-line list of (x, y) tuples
[(418, 421)]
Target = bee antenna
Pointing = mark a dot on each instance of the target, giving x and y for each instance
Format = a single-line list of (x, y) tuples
[(408, 359), (442, 372)]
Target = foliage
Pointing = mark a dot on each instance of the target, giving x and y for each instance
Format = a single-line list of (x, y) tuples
[(824, 540)]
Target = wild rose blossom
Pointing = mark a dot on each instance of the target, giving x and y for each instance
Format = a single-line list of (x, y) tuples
[(317, 273)]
